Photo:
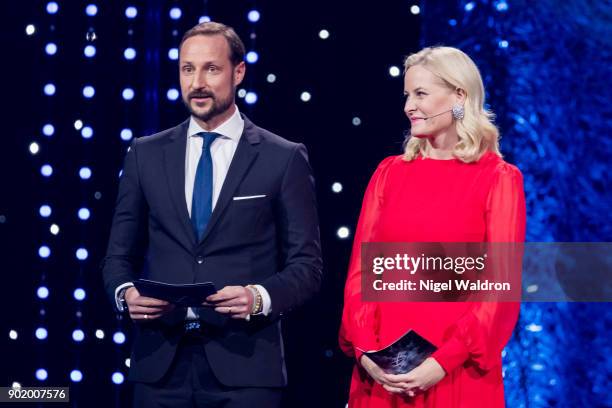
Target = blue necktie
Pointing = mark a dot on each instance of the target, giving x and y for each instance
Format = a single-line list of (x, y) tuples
[(201, 204)]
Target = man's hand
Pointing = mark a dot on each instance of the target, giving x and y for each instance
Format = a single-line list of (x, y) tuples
[(145, 308), (235, 301), (420, 379)]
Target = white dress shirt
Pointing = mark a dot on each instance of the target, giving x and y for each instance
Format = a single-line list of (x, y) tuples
[(222, 152)]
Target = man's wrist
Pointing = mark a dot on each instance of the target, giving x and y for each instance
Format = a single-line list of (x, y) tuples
[(257, 300), (118, 289), (122, 303)]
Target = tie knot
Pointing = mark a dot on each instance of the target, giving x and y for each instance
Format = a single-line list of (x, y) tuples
[(208, 137)]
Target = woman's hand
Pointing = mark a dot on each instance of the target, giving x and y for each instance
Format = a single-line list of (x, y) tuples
[(420, 379), (379, 375)]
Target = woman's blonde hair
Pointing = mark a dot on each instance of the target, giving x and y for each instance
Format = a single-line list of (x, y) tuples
[(477, 132)]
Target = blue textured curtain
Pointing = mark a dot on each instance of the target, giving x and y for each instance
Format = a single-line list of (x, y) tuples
[(546, 67)]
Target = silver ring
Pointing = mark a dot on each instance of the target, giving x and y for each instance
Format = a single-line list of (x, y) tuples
[(146, 316)]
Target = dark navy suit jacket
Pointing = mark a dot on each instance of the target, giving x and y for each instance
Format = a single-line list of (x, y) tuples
[(272, 241)]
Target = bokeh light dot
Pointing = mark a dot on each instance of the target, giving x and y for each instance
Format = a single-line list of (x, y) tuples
[(126, 134), (252, 57), (84, 214), (501, 6), (343, 232), (46, 170), (41, 374), (79, 294), (81, 254), (42, 292), (34, 148), (54, 229), (87, 132), (85, 173), (78, 335), (89, 91), (254, 16), (172, 94), (250, 98), (175, 13), (91, 10), (131, 12), (44, 211), (41, 333), (119, 337), (51, 49), (394, 71), (76, 376), (128, 94), (117, 378), (48, 129), (89, 51), (49, 89), (129, 53), (52, 7)]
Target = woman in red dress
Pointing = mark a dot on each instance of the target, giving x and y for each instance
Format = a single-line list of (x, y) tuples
[(450, 185)]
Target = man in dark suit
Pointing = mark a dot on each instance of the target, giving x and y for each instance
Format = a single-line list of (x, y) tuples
[(217, 199)]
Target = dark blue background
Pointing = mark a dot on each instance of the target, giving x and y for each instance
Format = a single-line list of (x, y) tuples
[(549, 87)]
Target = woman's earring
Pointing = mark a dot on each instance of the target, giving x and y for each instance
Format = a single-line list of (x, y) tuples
[(458, 112)]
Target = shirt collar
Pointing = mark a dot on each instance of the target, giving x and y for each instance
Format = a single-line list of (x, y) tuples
[(232, 128)]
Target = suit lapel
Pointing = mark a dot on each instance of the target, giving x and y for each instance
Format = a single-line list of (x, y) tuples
[(174, 160), (241, 162)]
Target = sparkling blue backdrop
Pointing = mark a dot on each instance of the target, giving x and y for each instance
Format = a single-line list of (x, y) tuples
[(546, 67)]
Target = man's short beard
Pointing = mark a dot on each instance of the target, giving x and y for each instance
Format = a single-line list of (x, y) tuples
[(217, 107)]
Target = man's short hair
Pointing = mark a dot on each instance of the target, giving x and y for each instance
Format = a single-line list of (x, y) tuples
[(210, 28)]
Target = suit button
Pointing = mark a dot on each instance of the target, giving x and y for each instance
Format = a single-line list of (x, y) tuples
[(199, 259)]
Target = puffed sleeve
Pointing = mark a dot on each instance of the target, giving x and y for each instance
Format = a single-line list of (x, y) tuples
[(360, 319), (481, 334)]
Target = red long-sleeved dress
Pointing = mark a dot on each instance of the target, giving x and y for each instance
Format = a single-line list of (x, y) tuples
[(429, 200)]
